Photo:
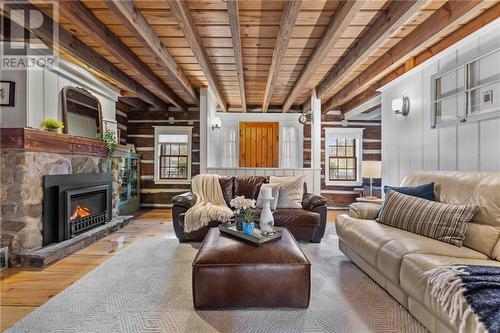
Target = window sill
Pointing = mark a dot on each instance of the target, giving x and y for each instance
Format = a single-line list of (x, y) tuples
[(171, 181), (343, 183)]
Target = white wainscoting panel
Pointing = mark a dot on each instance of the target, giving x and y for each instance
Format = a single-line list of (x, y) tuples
[(410, 144)]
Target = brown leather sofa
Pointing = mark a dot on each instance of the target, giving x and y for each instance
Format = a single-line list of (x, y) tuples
[(307, 223)]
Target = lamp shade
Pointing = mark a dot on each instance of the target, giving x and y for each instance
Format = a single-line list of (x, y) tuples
[(371, 169), (397, 104)]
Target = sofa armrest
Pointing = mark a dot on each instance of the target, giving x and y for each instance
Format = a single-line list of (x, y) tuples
[(364, 211), (311, 201), (186, 200)]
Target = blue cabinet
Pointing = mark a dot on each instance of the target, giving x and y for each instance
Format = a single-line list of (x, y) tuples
[(129, 196)]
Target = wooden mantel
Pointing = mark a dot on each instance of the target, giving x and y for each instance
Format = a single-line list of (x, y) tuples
[(41, 141)]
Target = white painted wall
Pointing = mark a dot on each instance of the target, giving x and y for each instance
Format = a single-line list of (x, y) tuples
[(38, 94), (215, 142), (409, 143)]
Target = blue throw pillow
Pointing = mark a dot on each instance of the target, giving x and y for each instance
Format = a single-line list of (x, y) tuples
[(425, 191)]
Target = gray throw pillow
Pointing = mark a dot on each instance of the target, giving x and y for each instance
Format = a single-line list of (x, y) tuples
[(275, 192), (444, 222), (291, 191)]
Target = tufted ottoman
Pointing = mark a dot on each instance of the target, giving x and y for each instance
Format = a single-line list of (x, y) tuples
[(228, 273)]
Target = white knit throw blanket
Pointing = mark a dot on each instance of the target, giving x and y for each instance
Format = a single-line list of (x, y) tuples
[(209, 206)]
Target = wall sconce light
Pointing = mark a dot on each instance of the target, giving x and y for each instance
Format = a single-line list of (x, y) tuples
[(401, 105), (216, 123)]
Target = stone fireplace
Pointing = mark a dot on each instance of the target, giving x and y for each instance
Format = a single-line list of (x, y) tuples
[(32, 161)]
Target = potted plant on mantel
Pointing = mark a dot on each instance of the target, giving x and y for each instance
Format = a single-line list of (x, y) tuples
[(244, 216), (109, 139), (52, 125)]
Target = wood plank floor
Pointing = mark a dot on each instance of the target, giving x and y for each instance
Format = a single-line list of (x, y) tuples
[(22, 290)]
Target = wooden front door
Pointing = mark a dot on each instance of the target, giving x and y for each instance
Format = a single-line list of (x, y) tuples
[(259, 142)]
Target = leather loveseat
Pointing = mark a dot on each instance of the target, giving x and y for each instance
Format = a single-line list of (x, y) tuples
[(307, 223), (398, 260)]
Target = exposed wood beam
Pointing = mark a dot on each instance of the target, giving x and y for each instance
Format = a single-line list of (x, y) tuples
[(475, 24), (234, 25), (289, 15), (140, 28), (84, 19), (393, 18), (424, 35), (181, 12), (78, 51), (136, 103), (337, 26)]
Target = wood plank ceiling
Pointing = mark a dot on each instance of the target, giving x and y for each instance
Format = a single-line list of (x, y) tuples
[(302, 41)]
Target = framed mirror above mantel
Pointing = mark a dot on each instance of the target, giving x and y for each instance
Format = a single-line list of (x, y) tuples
[(82, 112)]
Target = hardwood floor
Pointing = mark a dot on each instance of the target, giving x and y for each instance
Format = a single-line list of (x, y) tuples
[(23, 290)]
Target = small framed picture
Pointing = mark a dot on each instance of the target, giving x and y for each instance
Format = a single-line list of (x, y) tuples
[(4, 258), (7, 93)]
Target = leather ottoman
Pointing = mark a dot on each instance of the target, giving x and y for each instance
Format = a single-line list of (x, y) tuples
[(228, 273)]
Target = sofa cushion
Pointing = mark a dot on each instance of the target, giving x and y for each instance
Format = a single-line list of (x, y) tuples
[(385, 247), (414, 281), (248, 186), (440, 221), (424, 191), (226, 184), (466, 187), (295, 217), (291, 191)]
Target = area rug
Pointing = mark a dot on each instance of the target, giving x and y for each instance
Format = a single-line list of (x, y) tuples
[(147, 288)]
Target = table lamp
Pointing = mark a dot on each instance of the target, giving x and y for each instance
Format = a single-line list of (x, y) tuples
[(371, 169)]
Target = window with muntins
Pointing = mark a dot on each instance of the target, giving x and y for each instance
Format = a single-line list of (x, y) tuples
[(172, 154), (342, 159)]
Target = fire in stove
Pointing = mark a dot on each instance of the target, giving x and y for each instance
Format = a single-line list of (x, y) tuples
[(80, 212)]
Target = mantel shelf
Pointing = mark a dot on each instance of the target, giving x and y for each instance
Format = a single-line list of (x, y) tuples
[(41, 141)]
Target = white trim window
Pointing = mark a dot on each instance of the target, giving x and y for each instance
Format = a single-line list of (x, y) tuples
[(172, 164), (343, 156)]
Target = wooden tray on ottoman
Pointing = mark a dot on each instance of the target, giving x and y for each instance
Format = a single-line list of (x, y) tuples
[(229, 273), (256, 238)]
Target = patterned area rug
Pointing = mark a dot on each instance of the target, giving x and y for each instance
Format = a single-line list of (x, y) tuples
[(147, 288)]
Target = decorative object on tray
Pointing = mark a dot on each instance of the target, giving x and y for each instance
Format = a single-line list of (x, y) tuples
[(7, 93), (266, 222), (255, 238), (244, 215), (52, 125)]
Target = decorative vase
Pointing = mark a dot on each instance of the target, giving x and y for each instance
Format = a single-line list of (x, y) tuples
[(266, 221), (248, 228), (239, 225)]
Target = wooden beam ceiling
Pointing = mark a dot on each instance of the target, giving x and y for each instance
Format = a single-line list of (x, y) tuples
[(393, 18), (82, 17), (135, 103), (140, 28), (183, 16), (475, 24), (420, 38), (291, 9), (72, 47), (234, 25), (337, 26)]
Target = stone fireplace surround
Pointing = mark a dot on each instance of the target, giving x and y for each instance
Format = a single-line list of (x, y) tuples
[(26, 156)]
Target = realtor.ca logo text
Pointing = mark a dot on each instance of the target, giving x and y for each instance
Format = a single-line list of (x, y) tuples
[(26, 34)]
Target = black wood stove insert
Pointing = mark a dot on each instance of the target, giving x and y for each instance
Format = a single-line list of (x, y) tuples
[(74, 204)]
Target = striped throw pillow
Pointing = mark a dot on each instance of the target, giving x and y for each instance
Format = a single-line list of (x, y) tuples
[(444, 222)]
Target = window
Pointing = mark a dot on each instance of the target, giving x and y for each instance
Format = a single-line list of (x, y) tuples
[(342, 159), (172, 154), (343, 155)]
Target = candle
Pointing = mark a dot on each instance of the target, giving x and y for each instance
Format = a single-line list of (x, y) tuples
[(266, 192)]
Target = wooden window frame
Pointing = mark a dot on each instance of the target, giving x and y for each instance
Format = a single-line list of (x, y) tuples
[(171, 130)]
